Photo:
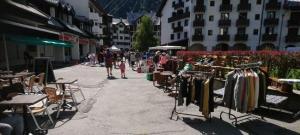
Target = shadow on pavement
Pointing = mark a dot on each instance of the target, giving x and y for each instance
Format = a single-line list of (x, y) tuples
[(259, 127), (216, 126)]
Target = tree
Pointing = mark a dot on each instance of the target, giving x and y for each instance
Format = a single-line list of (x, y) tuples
[(144, 38)]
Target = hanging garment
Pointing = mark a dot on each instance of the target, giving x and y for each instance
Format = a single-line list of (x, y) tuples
[(262, 88), (205, 110), (189, 92), (238, 92), (229, 88), (193, 89), (256, 89), (198, 87), (183, 90), (211, 95)]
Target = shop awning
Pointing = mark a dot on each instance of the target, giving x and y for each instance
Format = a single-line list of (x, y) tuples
[(27, 40)]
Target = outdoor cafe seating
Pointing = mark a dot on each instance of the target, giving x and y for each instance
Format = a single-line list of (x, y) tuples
[(37, 96)]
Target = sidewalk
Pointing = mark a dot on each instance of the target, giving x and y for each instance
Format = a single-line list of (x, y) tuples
[(133, 106)]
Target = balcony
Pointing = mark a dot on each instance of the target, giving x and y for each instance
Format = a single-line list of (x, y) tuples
[(178, 29), (178, 5), (271, 21), (198, 23), (241, 22), (224, 23), (199, 9), (241, 37), (292, 38), (293, 23), (269, 37), (273, 5), (244, 7), (293, 7), (223, 37), (178, 16), (197, 38), (225, 8)]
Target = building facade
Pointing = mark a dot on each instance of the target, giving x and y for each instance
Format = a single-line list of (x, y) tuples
[(121, 33), (229, 24), (101, 19)]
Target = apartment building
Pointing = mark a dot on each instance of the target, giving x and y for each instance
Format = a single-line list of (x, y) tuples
[(230, 24), (93, 11), (121, 33)]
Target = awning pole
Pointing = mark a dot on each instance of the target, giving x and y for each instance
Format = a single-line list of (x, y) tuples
[(5, 52)]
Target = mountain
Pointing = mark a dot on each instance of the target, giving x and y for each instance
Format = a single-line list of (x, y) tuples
[(119, 8)]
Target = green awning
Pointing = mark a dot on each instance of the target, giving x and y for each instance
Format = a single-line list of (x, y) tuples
[(27, 40)]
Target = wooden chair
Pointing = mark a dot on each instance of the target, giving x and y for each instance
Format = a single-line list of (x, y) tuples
[(75, 88), (38, 108), (29, 85), (54, 98)]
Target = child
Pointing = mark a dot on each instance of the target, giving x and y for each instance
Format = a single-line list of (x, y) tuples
[(122, 68)]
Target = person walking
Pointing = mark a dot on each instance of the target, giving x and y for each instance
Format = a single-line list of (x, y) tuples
[(108, 63), (122, 68)]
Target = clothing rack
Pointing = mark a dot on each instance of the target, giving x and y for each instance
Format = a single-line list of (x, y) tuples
[(234, 117), (174, 111)]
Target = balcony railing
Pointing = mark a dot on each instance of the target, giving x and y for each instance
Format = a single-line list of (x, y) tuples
[(180, 4), (224, 22), (198, 38), (271, 21), (225, 8), (199, 9), (178, 16), (241, 37), (293, 7), (269, 37), (244, 7), (242, 22), (292, 38), (223, 38), (178, 29), (273, 5), (198, 23), (294, 23)]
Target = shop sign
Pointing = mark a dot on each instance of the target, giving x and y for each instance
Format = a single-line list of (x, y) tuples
[(83, 41)]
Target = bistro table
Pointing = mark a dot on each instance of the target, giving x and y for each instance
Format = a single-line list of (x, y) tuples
[(21, 75), (25, 101), (291, 81), (166, 75), (62, 84)]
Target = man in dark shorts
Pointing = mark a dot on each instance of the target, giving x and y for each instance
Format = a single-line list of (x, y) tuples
[(108, 63)]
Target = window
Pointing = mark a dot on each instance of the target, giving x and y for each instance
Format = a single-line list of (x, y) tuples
[(186, 22), (185, 35), (212, 3), (173, 25), (198, 31), (198, 16), (121, 37), (257, 16), (210, 32), (172, 36), (224, 16), (52, 11), (241, 31), (187, 9), (243, 15), (179, 23), (270, 30), (223, 31), (255, 32), (211, 18), (271, 14), (178, 35), (258, 2)]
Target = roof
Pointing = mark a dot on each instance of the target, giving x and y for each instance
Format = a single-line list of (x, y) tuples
[(161, 7)]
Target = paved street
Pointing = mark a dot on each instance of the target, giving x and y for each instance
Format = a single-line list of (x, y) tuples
[(134, 107)]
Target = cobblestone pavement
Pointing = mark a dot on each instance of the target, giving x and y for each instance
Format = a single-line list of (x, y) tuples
[(134, 107)]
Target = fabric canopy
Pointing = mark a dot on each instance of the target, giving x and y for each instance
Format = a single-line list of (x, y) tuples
[(167, 48), (27, 40), (114, 48)]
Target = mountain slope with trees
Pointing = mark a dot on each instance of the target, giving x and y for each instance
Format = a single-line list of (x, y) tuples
[(119, 8)]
